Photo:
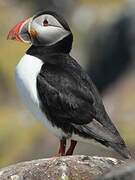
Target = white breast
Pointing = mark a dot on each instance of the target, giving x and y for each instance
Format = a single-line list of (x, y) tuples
[(26, 77)]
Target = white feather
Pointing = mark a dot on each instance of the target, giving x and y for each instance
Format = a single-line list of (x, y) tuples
[(26, 76)]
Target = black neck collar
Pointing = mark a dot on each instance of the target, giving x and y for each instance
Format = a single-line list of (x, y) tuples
[(42, 52)]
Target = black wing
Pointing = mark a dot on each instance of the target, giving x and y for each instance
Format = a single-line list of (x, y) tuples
[(64, 95), (68, 96)]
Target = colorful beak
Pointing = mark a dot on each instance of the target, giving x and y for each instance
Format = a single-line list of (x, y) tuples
[(20, 31)]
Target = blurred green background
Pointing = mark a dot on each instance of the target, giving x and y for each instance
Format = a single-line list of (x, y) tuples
[(21, 137)]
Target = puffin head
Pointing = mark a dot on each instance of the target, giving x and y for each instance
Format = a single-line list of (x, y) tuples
[(46, 28)]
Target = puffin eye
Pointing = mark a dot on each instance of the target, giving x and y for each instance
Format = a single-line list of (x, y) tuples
[(45, 22)]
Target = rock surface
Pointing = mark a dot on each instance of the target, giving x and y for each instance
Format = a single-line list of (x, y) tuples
[(124, 172), (63, 168)]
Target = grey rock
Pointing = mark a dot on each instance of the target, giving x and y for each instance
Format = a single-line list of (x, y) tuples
[(77, 167), (124, 172)]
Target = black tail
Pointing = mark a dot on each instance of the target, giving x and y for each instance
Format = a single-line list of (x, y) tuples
[(121, 149), (104, 135), (111, 136)]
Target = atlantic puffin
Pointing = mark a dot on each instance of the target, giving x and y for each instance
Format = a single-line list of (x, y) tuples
[(57, 90)]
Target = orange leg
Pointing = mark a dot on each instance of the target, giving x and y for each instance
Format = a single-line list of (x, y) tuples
[(61, 149), (71, 148)]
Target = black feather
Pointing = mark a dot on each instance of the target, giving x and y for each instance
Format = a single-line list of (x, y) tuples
[(70, 99), (73, 103)]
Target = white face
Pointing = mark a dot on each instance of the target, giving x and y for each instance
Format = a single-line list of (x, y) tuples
[(48, 30)]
